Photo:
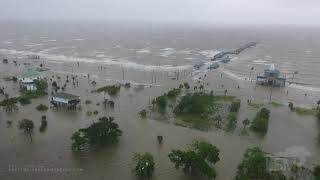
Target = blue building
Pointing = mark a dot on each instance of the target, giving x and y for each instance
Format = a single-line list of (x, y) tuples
[(271, 77)]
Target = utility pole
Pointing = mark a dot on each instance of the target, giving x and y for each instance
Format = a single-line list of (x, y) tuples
[(122, 72), (271, 91)]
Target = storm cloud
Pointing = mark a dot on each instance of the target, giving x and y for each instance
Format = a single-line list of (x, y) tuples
[(198, 11)]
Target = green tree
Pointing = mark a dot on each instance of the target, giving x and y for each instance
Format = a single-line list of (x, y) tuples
[(245, 122), (42, 107), (26, 126), (161, 102), (143, 113), (261, 121), (207, 151), (253, 165), (186, 85), (100, 133), (196, 161), (316, 172), (290, 105), (9, 104), (144, 165), (318, 114)]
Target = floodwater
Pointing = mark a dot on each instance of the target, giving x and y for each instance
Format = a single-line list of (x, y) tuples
[(152, 55)]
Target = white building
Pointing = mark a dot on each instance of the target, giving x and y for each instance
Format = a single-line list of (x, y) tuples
[(27, 79)]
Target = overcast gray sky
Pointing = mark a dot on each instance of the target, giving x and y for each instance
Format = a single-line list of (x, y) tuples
[(208, 11)]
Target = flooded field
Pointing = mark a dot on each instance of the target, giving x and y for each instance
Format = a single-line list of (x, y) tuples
[(289, 133)]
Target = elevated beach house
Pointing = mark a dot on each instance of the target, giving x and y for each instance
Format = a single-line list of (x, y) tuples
[(65, 100), (26, 80), (271, 77)]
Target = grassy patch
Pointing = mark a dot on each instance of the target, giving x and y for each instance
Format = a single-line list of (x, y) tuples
[(111, 90), (305, 111), (276, 104), (199, 109), (256, 104)]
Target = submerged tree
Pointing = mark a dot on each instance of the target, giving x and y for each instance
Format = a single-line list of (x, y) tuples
[(316, 172), (197, 161), (26, 126), (144, 165), (253, 165), (100, 133), (290, 105), (9, 104)]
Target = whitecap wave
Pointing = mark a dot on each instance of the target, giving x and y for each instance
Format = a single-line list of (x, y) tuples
[(33, 45), (108, 61), (305, 88), (166, 52), (6, 42), (259, 61), (209, 53), (79, 39), (143, 51)]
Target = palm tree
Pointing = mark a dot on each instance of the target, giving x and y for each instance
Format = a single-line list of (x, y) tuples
[(26, 126)]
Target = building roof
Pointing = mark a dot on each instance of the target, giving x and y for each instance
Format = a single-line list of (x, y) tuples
[(31, 73), (66, 96)]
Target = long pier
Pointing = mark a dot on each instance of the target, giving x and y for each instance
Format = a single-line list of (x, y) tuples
[(237, 51)]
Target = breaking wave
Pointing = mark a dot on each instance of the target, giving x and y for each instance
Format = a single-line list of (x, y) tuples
[(107, 61)]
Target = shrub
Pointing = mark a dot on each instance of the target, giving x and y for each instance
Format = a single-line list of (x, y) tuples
[(144, 165), (95, 112), (42, 107), (24, 100), (186, 85), (43, 125), (87, 101), (127, 85), (161, 102), (290, 105), (174, 92), (235, 106), (88, 113), (316, 172), (253, 165), (143, 113), (199, 160), (100, 133), (232, 121), (261, 121), (318, 115), (111, 90)]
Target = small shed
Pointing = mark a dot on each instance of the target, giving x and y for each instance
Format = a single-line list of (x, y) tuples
[(65, 100)]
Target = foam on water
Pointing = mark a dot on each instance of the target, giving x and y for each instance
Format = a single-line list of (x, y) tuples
[(209, 53), (6, 42), (79, 39), (143, 51), (107, 61), (33, 45), (259, 61), (305, 88), (166, 52)]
